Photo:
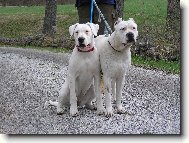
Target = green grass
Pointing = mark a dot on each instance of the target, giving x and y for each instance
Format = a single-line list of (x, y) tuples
[(147, 8), (150, 16), (35, 10), (25, 21), (167, 66)]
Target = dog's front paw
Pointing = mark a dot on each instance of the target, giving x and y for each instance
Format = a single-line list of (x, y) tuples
[(74, 112), (47, 103), (60, 111), (121, 110), (109, 113), (90, 106), (101, 111)]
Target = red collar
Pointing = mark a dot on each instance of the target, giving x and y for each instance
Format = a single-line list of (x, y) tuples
[(89, 50)]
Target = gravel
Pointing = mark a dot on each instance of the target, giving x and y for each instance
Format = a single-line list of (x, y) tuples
[(29, 77)]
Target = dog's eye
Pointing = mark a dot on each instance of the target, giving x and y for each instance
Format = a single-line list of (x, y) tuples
[(134, 28), (76, 32), (123, 29), (87, 31)]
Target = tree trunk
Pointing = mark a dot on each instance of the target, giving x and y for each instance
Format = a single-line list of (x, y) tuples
[(173, 22), (120, 8), (3, 3), (49, 26)]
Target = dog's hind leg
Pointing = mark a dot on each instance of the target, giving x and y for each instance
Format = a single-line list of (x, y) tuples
[(88, 98), (63, 98), (99, 104)]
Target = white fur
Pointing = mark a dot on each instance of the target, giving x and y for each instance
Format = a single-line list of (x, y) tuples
[(115, 63), (83, 82)]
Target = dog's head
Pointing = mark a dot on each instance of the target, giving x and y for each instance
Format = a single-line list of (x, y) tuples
[(126, 31), (84, 34)]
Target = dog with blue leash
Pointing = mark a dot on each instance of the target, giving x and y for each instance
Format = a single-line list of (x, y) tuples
[(115, 58)]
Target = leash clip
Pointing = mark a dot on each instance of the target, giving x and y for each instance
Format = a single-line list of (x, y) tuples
[(99, 18)]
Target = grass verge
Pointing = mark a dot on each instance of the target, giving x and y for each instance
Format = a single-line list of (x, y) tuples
[(150, 15), (167, 66)]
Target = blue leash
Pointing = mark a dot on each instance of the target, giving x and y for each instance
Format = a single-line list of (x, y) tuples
[(91, 14), (108, 29)]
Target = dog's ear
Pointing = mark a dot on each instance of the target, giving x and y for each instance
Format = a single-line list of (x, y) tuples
[(132, 19), (72, 29), (94, 28), (118, 21)]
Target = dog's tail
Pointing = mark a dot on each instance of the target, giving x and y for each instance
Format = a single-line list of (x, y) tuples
[(51, 103)]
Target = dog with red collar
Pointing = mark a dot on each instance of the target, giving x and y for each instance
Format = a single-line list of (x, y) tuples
[(82, 85)]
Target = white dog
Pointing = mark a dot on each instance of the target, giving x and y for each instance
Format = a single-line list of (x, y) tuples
[(115, 59), (83, 82)]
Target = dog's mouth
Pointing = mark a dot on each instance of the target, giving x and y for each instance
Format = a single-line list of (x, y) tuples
[(83, 46), (124, 44), (129, 42)]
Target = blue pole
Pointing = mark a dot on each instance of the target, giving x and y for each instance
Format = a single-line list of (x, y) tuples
[(91, 14)]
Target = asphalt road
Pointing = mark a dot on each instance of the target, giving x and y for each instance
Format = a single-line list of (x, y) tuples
[(29, 77)]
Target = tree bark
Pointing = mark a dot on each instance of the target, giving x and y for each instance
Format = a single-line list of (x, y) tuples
[(49, 26), (3, 3), (119, 8), (173, 22)]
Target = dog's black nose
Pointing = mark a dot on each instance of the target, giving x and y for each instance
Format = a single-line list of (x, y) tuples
[(81, 40), (130, 37)]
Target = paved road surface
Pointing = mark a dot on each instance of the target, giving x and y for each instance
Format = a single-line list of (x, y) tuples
[(28, 78)]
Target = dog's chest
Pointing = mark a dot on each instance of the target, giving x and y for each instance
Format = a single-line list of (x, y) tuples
[(114, 63), (87, 66), (85, 74), (84, 64)]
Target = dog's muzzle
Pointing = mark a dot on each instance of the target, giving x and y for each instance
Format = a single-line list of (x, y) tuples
[(87, 48), (130, 37)]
